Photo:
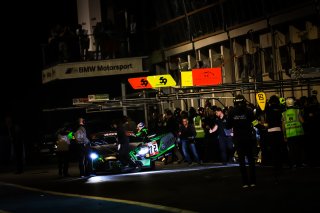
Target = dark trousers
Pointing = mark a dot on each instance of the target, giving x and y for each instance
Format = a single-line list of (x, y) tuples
[(275, 139), (124, 155), (226, 148), (83, 159), (63, 162), (18, 149), (200, 146), (245, 148), (296, 150)]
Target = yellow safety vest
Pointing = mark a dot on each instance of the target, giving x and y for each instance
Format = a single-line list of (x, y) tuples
[(293, 126), (198, 126)]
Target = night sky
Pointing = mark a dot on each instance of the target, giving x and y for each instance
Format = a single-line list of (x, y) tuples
[(20, 83), (26, 26)]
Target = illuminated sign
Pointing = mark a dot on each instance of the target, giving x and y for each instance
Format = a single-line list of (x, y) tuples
[(94, 68), (207, 76), (261, 99), (98, 97), (186, 78), (161, 81), (139, 83), (80, 101)]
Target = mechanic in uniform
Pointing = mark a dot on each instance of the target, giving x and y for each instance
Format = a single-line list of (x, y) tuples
[(83, 146), (123, 142), (63, 144)]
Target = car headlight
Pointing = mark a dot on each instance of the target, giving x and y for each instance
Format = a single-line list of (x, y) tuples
[(143, 151), (93, 156)]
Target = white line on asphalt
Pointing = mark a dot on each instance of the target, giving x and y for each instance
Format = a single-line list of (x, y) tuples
[(142, 204)]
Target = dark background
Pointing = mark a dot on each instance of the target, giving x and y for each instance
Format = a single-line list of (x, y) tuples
[(25, 26)]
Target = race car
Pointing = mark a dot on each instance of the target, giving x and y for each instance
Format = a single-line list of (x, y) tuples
[(143, 154), (156, 148)]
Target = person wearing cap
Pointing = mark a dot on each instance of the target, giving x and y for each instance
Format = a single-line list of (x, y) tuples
[(240, 120), (293, 132), (274, 135)]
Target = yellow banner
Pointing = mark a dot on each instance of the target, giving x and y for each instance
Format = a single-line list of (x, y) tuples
[(161, 81), (261, 99), (186, 79)]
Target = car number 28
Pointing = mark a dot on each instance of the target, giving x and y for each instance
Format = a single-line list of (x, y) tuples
[(153, 148)]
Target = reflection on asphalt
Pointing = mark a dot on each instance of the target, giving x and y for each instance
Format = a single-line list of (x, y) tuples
[(126, 176)]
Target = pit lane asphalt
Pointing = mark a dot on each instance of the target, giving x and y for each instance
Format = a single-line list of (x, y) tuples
[(171, 188)]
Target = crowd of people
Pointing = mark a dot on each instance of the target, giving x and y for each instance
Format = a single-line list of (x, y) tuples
[(70, 44), (281, 135)]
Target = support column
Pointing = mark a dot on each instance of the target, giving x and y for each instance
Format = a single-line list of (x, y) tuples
[(123, 94), (145, 108), (89, 14)]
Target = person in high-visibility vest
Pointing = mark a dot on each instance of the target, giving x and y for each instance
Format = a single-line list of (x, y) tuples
[(200, 134), (293, 132), (198, 125)]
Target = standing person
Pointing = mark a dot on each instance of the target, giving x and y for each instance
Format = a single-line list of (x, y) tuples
[(198, 121), (172, 126), (211, 138), (293, 132), (224, 137), (83, 146), (240, 119), (98, 34), (63, 144), (123, 142), (187, 134), (274, 134), (15, 139)]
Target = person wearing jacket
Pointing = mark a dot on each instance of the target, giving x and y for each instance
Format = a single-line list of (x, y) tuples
[(83, 144), (63, 144), (274, 135), (240, 120), (187, 134)]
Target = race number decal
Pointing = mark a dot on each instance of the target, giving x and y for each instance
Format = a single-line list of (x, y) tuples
[(153, 148)]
